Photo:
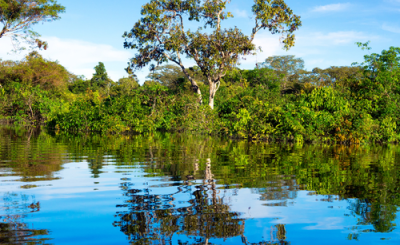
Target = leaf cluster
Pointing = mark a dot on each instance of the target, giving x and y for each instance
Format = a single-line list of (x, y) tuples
[(18, 16), (160, 35)]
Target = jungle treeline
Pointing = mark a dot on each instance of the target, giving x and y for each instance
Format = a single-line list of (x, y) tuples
[(278, 100)]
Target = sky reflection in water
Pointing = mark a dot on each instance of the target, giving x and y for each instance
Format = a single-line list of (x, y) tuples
[(183, 189)]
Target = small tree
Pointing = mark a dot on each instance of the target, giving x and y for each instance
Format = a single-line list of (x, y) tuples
[(17, 17), (125, 86), (160, 36), (285, 65), (100, 77)]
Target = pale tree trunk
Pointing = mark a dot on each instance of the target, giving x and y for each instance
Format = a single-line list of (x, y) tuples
[(195, 87), (208, 176), (213, 90), (197, 90), (209, 180)]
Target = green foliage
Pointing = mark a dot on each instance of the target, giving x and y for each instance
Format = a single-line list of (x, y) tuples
[(36, 71), (143, 109), (100, 78), (348, 105), (167, 75), (17, 17), (287, 64), (79, 85), (173, 77), (160, 36), (124, 86), (32, 89)]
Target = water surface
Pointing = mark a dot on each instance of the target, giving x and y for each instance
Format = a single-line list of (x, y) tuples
[(185, 189)]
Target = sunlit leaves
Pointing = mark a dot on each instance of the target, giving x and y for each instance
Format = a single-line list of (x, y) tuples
[(18, 16), (277, 17), (160, 35)]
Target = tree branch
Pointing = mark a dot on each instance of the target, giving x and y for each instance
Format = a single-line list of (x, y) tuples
[(3, 31), (219, 20)]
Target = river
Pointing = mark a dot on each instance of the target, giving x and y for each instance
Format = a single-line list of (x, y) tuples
[(184, 189)]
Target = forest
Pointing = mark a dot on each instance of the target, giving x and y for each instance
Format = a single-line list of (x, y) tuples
[(203, 147), (278, 100)]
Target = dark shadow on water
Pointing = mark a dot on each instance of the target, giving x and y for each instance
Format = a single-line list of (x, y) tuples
[(13, 229)]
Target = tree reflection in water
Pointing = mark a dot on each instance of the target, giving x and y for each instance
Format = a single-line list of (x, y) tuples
[(30, 154), (13, 230), (154, 219), (367, 177), (382, 217)]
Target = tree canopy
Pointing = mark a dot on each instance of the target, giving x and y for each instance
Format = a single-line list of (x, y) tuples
[(160, 36), (285, 64), (100, 77), (18, 16), (171, 75), (34, 70), (125, 85), (166, 75)]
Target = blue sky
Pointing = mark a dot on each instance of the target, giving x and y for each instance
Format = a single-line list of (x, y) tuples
[(91, 31)]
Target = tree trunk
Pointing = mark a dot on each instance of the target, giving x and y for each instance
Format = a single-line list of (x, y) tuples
[(213, 90), (197, 90), (195, 87), (3, 32)]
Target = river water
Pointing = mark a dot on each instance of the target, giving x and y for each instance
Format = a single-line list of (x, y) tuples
[(185, 189)]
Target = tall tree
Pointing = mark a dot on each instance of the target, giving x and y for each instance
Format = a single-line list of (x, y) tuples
[(160, 36), (100, 77), (286, 65), (171, 75), (166, 75), (18, 16)]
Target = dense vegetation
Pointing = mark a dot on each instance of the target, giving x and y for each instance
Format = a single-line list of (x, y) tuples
[(162, 36), (278, 100)]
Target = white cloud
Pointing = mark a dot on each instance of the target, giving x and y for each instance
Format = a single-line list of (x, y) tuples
[(270, 46), (5, 50), (79, 57), (332, 7), (315, 62), (318, 49), (393, 1), (310, 44), (333, 38), (240, 13), (330, 223), (391, 28)]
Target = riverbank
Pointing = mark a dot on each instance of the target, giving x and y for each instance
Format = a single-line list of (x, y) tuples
[(345, 105)]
